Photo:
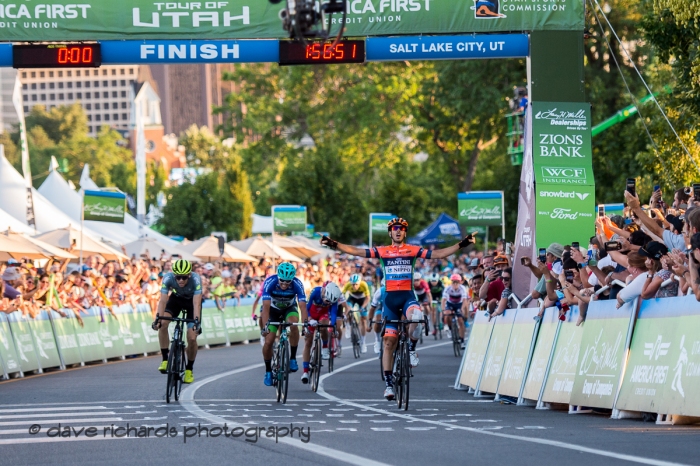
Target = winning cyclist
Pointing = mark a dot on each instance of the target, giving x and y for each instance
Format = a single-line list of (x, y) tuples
[(358, 293), (454, 300), (185, 288), (436, 290), (422, 290), (282, 293), (377, 303), (398, 262), (323, 307)]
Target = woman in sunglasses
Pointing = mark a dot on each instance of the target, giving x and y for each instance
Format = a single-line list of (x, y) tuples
[(185, 288), (398, 262)]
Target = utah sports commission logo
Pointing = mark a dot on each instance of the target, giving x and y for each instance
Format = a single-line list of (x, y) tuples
[(487, 9)]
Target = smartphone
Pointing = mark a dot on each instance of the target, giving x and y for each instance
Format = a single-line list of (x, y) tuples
[(543, 255), (508, 249), (601, 210), (696, 191), (632, 186), (569, 276), (575, 245), (522, 260), (613, 246)]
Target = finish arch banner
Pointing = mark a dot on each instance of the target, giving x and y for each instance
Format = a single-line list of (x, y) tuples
[(61, 20)]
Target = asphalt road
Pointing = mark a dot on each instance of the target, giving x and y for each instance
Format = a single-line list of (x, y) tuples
[(346, 422)]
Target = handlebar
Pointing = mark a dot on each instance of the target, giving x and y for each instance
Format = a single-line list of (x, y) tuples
[(404, 322), (176, 319)]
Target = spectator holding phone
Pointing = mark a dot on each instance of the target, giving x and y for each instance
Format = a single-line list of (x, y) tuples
[(635, 282)]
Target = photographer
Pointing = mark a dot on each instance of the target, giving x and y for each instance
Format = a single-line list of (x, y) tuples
[(671, 240), (658, 271)]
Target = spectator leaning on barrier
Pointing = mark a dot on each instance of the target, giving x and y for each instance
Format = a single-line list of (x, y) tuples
[(507, 279), (493, 286), (636, 265)]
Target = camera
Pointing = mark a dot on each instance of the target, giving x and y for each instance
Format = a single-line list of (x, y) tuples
[(311, 19), (613, 246), (569, 276), (696, 192)]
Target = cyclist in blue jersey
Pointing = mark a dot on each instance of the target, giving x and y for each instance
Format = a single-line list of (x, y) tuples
[(181, 291), (323, 305), (283, 297)]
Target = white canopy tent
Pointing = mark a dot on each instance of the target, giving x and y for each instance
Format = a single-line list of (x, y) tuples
[(261, 224), (8, 222)]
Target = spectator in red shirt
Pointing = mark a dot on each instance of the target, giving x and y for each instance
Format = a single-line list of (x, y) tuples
[(493, 286)]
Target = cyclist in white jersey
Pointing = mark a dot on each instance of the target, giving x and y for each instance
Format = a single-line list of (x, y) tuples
[(454, 300)]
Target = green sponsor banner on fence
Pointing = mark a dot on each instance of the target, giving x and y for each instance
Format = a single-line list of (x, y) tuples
[(103, 206), (57, 20), (289, 219), (44, 341), (561, 138), (663, 370), (540, 358), (10, 360), (602, 355), (498, 347), (480, 208), (521, 339), (564, 214), (24, 342), (479, 338), (560, 380)]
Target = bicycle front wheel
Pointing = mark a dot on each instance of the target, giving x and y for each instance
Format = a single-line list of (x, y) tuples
[(316, 365), (181, 364), (456, 345), (381, 360), (332, 346), (172, 372), (276, 371), (398, 376), (406, 378), (355, 340), (284, 379)]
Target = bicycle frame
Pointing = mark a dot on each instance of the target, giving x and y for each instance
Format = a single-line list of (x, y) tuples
[(280, 360), (402, 370), (177, 357)]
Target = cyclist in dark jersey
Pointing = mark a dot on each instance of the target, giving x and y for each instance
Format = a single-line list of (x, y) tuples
[(436, 288), (185, 295), (398, 262)]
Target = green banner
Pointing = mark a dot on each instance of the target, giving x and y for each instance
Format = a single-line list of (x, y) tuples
[(91, 347), (308, 233), (560, 380), (44, 341), (478, 344), (239, 325), (56, 20), (288, 219), (498, 347), (103, 206), (561, 141), (540, 358), (10, 360), (564, 214), (482, 208), (24, 343), (66, 339), (603, 352), (521, 339)]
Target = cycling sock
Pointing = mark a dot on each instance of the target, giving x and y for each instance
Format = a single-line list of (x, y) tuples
[(325, 343), (268, 365), (306, 366), (293, 353), (164, 352), (388, 379), (189, 365), (412, 345)]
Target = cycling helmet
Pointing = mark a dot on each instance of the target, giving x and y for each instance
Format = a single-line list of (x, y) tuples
[(417, 276), (397, 221), (286, 271), (456, 277), (355, 279), (331, 292), (182, 267), (434, 277)]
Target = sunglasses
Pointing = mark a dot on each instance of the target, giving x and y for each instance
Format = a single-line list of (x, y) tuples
[(398, 228), (284, 282), (504, 278), (182, 277)]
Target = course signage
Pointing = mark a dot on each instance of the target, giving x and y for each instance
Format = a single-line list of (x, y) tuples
[(479, 208), (289, 219), (58, 20), (447, 47), (564, 214), (104, 206), (562, 151), (189, 51)]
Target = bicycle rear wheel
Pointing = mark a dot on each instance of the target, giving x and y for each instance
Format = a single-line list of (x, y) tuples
[(284, 380), (456, 345), (181, 364), (332, 345), (406, 378), (381, 360)]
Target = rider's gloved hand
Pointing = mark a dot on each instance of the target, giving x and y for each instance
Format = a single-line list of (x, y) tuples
[(196, 325), (469, 239), (156, 323), (326, 241), (313, 322)]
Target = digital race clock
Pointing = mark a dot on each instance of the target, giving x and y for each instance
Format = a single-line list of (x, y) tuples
[(321, 53), (56, 56)]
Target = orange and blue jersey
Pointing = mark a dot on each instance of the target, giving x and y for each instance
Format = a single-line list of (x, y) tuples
[(398, 264)]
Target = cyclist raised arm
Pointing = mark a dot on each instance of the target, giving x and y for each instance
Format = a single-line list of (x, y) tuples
[(181, 291), (398, 262)]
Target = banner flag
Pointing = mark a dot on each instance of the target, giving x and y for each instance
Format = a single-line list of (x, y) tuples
[(289, 219), (26, 168), (104, 206)]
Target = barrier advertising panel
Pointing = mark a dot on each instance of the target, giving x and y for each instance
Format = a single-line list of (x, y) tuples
[(540, 358), (476, 349), (44, 341), (603, 352), (521, 340), (91, 347), (66, 339), (8, 353), (24, 343), (239, 325), (498, 347), (560, 379), (663, 370)]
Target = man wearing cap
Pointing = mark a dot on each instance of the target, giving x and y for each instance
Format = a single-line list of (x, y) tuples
[(13, 280), (493, 286), (671, 240)]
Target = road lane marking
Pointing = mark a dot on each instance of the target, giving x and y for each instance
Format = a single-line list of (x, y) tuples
[(59, 421), (552, 443), (187, 401), (32, 410)]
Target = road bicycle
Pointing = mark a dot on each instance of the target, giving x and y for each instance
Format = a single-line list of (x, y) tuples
[(316, 362), (177, 358), (280, 360), (355, 335), (402, 360), (437, 323), (454, 330)]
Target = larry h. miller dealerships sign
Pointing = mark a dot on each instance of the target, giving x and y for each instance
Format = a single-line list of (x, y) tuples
[(480, 208), (104, 206)]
